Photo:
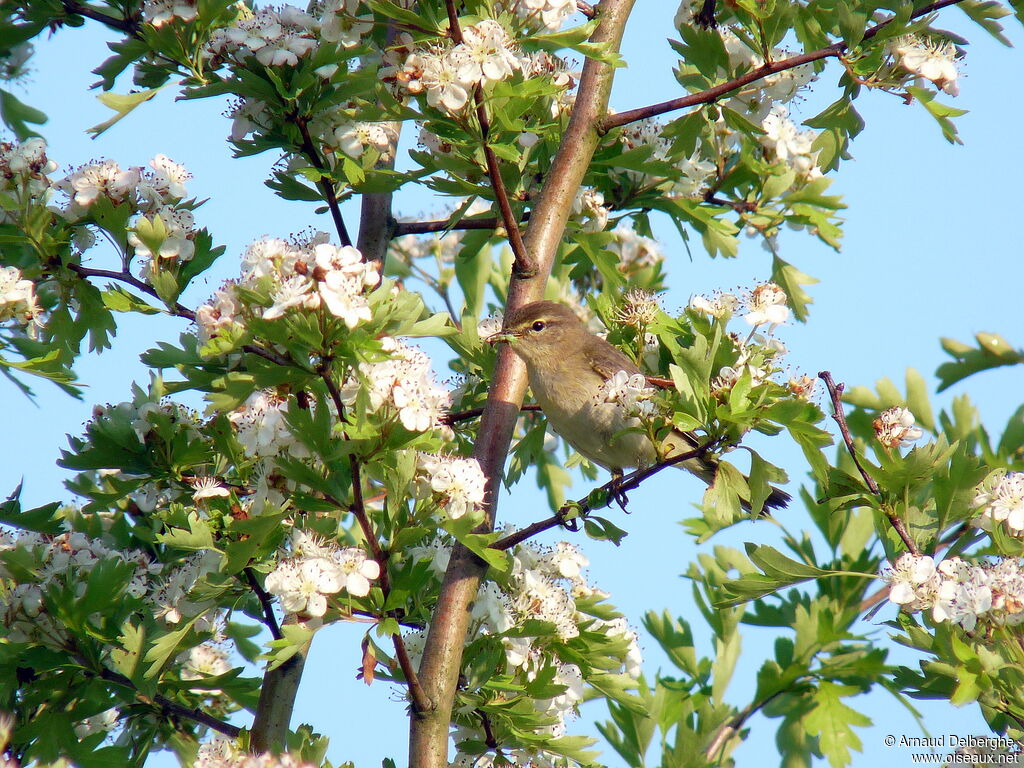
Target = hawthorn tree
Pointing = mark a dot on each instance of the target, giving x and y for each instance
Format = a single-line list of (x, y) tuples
[(329, 476)]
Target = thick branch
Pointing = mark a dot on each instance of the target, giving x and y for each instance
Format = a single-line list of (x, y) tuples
[(375, 219), (835, 392), (442, 655), (272, 722), (712, 95)]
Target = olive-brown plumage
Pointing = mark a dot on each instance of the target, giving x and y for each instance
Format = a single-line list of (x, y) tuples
[(566, 365)]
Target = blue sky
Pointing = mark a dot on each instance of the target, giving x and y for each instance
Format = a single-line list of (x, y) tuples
[(931, 249)]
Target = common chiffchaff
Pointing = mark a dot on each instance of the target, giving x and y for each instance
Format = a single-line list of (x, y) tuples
[(567, 364)]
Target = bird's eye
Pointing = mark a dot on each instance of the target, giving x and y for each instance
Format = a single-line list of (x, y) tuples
[(539, 325)]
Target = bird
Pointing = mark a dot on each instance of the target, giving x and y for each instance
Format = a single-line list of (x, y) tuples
[(566, 365)]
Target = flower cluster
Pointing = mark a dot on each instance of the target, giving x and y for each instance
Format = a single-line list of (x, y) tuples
[(546, 14), (693, 175), (25, 166), (455, 484), (160, 12), (545, 584), (274, 36), (66, 560), (895, 427), (931, 59), (261, 426), (294, 277), (317, 569), (17, 297), (639, 308), (630, 393), (788, 144), (1001, 500), (957, 591), (205, 660), (448, 76), (156, 193), (221, 752), (719, 305), (403, 382), (766, 304), (588, 205)]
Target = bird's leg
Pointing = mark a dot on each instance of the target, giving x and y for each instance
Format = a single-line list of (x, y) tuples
[(616, 492)]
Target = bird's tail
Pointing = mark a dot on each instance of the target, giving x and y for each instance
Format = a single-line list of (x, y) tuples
[(706, 469)]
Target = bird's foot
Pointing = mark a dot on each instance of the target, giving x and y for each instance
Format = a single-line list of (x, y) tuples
[(616, 492)]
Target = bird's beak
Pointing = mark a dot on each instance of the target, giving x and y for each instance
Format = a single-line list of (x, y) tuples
[(497, 338)]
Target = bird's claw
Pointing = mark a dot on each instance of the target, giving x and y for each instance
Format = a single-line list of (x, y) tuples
[(617, 493)]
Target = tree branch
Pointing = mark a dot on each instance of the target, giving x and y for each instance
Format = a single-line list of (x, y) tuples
[(420, 701), (127, 25), (127, 277), (586, 9), (326, 185), (442, 654), (166, 705), (524, 265), (835, 392), (265, 602), (375, 219), (472, 413), (712, 95), (400, 228), (586, 505)]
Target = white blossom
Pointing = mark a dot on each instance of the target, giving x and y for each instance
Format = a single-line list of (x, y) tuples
[(458, 482), (895, 427)]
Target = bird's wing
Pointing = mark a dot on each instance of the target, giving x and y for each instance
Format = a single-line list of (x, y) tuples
[(607, 360)]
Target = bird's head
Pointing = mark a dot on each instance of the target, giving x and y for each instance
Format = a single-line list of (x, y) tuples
[(540, 331)]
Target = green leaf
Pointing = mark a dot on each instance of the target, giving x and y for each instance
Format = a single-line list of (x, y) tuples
[(122, 104), (790, 279), (941, 112), (832, 722), (116, 298), (17, 115), (777, 571), (992, 351)]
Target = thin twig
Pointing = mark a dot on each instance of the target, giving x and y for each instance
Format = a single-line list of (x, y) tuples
[(586, 9), (583, 507), (265, 602), (420, 701), (128, 25), (740, 206), (524, 266), (727, 729), (127, 277), (712, 95), (835, 392), (472, 413), (485, 721), (400, 228), (168, 706), (326, 185)]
